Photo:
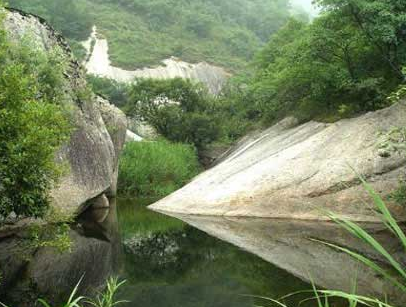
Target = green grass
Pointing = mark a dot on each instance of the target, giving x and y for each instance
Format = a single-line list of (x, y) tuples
[(156, 168), (104, 299)]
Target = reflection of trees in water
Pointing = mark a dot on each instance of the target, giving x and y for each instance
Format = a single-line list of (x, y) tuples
[(181, 268)]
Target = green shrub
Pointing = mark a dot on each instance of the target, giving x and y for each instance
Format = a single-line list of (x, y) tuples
[(155, 168), (33, 125), (178, 109), (116, 92), (104, 299)]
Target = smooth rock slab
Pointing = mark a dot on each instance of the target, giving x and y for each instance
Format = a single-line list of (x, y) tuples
[(298, 172)]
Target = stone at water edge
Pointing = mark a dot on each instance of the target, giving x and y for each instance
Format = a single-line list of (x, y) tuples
[(294, 172)]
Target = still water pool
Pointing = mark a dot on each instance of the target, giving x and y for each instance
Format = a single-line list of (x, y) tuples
[(169, 263)]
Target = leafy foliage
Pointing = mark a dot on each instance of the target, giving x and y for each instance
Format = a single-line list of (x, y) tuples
[(344, 63), (68, 16), (140, 32), (155, 168), (116, 92), (178, 109), (32, 125)]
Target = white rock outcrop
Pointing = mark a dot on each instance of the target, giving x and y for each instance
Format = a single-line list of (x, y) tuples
[(298, 172), (98, 63)]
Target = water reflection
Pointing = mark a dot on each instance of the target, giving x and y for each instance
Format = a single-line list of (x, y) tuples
[(289, 245), (175, 265), (32, 273)]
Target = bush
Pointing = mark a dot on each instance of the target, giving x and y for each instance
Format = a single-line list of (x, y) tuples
[(32, 126), (116, 92), (156, 168), (179, 110)]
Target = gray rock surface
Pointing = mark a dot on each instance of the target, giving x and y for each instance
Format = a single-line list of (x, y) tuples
[(295, 172), (98, 63), (99, 132), (132, 137), (29, 272), (116, 124)]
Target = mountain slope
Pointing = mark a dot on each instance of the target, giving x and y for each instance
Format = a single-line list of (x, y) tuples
[(142, 33)]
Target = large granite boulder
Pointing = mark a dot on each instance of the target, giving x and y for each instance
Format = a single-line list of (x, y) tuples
[(299, 172), (99, 132)]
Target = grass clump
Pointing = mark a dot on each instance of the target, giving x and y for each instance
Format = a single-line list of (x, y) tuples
[(156, 168), (104, 299)]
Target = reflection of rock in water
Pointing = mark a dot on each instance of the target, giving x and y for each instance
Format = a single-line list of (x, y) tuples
[(287, 244), (28, 273)]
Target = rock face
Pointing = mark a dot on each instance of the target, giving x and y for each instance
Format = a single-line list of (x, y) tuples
[(295, 172), (99, 132), (98, 63)]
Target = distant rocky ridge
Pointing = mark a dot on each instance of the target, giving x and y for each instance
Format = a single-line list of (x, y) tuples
[(98, 63), (296, 172)]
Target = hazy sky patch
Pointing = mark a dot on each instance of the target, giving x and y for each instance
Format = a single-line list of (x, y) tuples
[(307, 6)]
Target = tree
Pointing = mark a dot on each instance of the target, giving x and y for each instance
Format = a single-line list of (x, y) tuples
[(382, 22), (179, 109)]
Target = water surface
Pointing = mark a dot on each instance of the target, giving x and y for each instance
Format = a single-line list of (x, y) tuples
[(169, 263)]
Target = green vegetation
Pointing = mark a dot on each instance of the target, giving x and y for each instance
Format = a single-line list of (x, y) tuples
[(104, 299), (116, 92), (179, 110), (141, 33), (155, 168), (136, 220), (107, 298), (67, 16), (344, 63), (33, 125), (340, 65)]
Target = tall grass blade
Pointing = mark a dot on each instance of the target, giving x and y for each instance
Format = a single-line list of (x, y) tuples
[(387, 216), (367, 262)]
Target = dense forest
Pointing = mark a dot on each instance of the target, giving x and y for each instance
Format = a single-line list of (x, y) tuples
[(140, 33)]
